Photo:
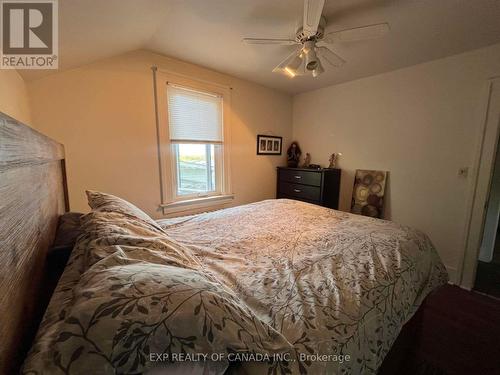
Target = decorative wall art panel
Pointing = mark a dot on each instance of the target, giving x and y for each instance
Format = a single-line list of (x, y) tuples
[(368, 193)]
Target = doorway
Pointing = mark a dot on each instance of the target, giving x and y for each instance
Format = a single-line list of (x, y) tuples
[(488, 266)]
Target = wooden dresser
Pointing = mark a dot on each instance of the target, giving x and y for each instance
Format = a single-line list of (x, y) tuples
[(318, 186)]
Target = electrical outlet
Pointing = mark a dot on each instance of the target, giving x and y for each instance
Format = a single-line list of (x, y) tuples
[(463, 172)]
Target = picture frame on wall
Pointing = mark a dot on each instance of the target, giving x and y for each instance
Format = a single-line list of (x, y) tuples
[(269, 145)]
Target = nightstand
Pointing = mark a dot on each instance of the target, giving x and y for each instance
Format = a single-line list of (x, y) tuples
[(317, 186)]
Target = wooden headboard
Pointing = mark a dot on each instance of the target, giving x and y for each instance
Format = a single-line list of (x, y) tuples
[(33, 194)]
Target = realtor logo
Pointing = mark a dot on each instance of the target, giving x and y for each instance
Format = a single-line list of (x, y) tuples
[(29, 34)]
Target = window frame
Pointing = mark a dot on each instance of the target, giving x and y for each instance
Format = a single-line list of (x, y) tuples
[(171, 201)]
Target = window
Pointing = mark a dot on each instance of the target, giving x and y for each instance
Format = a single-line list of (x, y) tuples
[(196, 135), (195, 164)]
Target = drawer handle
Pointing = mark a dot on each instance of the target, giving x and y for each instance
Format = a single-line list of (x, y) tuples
[(298, 177), (297, 190)]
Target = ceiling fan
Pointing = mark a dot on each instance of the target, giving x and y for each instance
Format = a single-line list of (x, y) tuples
[(311, 39)]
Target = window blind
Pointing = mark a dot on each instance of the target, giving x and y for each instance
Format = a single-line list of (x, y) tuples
[(194, 116)]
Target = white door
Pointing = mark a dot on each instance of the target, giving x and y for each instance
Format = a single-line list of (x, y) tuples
[(485, 163)]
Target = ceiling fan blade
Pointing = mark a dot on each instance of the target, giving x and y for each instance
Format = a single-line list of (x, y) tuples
[(312, 16), (358, 33), (287, 42), (331, 57)]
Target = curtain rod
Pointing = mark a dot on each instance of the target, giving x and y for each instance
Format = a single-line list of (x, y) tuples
[(155, 69)]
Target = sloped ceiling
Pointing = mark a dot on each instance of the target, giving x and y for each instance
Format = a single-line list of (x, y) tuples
[(209, 32)]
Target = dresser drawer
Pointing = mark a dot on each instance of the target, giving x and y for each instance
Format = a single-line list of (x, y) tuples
[(301, 177), (300, 191)]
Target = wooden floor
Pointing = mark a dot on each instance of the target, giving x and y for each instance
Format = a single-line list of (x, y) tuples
[(457, 332)]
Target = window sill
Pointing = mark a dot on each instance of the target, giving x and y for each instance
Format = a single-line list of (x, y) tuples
[(195, 204)]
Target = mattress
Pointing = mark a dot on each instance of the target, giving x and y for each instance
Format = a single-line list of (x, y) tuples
[(282, 286)]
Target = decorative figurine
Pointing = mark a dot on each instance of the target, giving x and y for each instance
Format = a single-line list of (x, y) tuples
[(307, 160), (333, 159), (293, 155)]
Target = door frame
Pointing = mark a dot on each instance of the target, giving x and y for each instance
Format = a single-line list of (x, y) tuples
[(484, 162)]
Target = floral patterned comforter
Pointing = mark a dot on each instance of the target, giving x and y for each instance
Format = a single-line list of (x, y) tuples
[(331, 290)]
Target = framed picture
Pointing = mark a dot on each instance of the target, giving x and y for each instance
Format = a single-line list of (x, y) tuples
[(268, 145)]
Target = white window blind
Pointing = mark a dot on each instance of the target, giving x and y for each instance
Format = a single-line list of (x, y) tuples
[(194, 116)]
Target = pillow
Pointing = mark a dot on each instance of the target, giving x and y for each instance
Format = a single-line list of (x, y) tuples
[(109, 203), (107, 233), (68, 229)]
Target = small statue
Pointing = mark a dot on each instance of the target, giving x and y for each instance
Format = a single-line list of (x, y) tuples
[(293, 155), (307, 160), (333, 160)]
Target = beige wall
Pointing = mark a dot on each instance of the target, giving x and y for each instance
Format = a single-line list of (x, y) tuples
[(103, 113), (14, 96), (421, 124)]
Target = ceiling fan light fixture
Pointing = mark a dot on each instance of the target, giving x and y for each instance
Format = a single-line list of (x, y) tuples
[(291, 66), (312, 64), (318, 70), (295, 63), (291, 69), (311, 58), (291, 73)]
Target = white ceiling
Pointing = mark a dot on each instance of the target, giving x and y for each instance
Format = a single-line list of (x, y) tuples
[(209, 32)]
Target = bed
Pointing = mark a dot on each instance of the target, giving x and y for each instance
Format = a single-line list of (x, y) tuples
[(277, 286)]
